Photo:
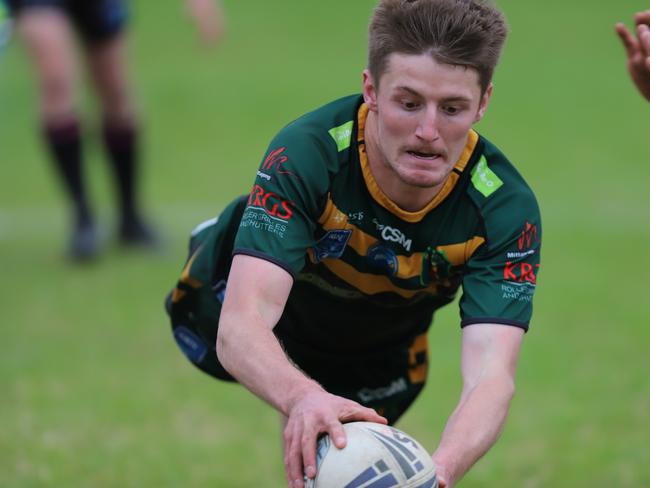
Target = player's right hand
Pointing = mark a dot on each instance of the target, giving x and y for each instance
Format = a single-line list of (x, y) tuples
[(317, 412)]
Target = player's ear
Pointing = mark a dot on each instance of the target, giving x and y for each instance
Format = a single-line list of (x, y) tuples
[(369, 91), (483, 105)]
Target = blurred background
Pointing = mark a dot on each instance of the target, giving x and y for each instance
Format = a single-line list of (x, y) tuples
[(94, 392)]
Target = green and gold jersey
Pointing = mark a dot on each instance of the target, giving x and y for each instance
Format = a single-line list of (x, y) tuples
[(369, 275), (365, 269)]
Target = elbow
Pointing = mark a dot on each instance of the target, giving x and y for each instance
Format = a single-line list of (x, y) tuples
[(226, 338), (508, 388), (222, 348)]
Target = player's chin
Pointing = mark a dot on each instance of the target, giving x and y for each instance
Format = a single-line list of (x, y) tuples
[(423, 178)]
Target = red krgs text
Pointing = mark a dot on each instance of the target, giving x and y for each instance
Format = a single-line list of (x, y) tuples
[(520, 272), (270, 202)]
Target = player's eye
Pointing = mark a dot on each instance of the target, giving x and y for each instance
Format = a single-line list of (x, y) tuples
[(451, 109), (410, 105)]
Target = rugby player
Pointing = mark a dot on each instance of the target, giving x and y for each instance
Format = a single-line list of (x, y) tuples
[(316, 290), (47, 28), (638, 51)]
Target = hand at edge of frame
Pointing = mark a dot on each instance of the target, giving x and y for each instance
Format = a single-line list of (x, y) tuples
[(638, 51), (442, 476)]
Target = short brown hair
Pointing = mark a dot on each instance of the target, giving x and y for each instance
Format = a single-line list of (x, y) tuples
[(466, 33)]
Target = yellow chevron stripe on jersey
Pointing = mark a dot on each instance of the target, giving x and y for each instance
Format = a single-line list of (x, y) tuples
[(459, 254), (333, 219), (382, 198), (185, 278), (419, 359), (371, 284), (408, 266)]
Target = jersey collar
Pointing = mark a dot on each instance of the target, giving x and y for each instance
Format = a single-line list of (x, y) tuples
[(383, 200)]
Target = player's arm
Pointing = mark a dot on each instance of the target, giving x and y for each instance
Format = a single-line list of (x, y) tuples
[(256, 294), (638, 51), (489, 359)]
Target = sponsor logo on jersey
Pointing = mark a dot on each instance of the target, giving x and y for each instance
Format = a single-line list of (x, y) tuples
[(191, 344), (484, 179), (392, 234), (528, 237), (342, 135), (383, 258), (332, 244), (517, 272), (369, 394), (522, 292), (527, 242), (256, 218), (264, 176), (273, 163), (520, 254), (435, 266), (271, 203)]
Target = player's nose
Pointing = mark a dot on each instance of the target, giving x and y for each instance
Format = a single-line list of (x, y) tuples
[(427, 129)]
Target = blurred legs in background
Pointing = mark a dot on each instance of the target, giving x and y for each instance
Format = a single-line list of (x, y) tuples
[(120, 134), (48, 34)]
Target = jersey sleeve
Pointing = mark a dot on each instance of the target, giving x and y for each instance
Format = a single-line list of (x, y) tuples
[(287, 197), (501, 277)]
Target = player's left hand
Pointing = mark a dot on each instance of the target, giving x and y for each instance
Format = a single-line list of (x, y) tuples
[(442, 476), (638, 51), (209, 19)]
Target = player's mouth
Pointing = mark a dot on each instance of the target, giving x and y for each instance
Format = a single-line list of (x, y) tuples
[(424, 155)]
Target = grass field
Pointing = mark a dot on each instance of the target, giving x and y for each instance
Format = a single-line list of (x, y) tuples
[(94, 393)]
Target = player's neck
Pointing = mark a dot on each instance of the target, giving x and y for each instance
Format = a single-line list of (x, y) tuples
[(408, 197)]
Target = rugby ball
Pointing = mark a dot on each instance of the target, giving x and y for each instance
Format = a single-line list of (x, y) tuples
[(375, 455)]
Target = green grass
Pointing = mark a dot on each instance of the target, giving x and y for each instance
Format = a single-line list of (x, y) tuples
[(95, 393)]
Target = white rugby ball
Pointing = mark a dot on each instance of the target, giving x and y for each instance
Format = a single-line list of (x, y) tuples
[(376, 456)]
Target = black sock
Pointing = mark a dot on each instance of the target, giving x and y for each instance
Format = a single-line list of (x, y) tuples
[(64, 141), (121, 144)]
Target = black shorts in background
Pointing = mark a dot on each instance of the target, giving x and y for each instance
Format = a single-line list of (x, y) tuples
[(95, 20)]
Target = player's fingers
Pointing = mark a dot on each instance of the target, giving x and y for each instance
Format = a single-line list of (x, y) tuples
[(359, 412), (293, 455), (441, 477), (309, 441), (337, 434), (642, 17), (643, 32), (629, 42), (373, 416)]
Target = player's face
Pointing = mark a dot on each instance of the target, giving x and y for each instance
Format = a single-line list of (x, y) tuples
[(424, 111)]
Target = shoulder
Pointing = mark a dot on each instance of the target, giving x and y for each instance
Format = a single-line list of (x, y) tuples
[(326, 132), (304, 157), (308, 152), (502, 196)]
